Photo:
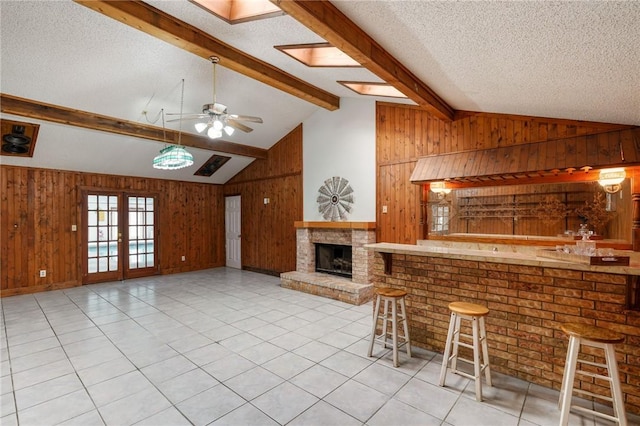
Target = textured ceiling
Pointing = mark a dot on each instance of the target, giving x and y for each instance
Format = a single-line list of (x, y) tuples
[(574, 60), (569, 59)]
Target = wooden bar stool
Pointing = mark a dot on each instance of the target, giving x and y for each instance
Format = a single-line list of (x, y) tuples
[(392, 298), (475, 314), (588, 335)]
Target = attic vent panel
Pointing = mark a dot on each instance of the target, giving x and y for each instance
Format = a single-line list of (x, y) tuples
[(18, 139), (212, 165)]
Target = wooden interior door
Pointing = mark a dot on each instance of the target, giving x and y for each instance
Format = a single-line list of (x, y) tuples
[(233, 231)]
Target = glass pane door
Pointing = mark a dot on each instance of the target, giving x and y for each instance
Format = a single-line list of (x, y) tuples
[(141, 231), (110, 222), (102, 237)]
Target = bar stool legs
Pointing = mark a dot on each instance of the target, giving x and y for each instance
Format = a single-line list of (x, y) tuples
[(587, 335), (475, 314), (391, 298)]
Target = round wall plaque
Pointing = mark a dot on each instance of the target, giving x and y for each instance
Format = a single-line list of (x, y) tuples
[(335, 199)]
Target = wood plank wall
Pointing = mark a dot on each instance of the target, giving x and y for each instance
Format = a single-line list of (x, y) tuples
[(38, 207), (268, 234), (405, 133)]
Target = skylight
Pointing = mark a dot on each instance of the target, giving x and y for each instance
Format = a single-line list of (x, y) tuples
[(373, 89), (318, 55), (237, 11)]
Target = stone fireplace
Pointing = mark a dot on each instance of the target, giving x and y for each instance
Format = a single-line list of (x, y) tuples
[(357, 289)]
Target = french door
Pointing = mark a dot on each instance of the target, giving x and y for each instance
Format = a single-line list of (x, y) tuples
[(119, 236)]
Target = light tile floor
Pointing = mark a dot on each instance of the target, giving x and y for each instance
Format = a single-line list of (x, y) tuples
[(229, 347)]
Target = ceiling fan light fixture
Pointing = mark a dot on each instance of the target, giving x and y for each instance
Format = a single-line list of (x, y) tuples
[(215, 120), (214, 133), (200, 127)]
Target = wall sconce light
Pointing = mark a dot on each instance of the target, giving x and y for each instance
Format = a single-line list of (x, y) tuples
[(439, 188), (610, 179)]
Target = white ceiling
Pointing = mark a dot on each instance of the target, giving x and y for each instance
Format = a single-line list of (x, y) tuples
[(574, 60)]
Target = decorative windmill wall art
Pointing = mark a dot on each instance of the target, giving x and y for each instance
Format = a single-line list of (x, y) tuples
[(335, 199)]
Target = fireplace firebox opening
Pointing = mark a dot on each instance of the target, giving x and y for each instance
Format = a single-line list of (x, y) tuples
[(334, 259)]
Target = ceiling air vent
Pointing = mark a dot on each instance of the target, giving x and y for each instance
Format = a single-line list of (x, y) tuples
[(212, 165), (18, 139)]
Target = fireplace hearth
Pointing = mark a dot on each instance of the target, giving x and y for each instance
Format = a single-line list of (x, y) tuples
[(351, 272), (334, 259)]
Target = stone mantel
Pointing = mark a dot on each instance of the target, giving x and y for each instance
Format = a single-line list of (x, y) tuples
[(335, 225)]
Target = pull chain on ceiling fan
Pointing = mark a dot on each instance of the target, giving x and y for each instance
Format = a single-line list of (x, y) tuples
[(215, 117)]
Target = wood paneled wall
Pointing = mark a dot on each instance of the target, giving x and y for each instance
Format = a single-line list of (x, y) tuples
[(405, 133), (39, 206), (268, 233)]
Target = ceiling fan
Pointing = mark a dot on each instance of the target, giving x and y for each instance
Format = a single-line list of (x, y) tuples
[(215, 117)]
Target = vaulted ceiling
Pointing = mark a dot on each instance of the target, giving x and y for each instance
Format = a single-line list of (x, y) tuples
[(113, 66)]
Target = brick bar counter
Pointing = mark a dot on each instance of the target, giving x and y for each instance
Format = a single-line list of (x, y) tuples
[(529, 297)]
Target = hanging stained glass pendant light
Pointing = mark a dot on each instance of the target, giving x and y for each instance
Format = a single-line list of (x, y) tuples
[(173, 157)]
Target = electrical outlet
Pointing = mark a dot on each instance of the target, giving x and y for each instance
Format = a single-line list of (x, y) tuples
[(43, 273), (384, 209), (184, 258), (74, 228), (266, 200)]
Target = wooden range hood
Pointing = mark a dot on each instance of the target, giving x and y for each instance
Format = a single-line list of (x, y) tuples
[(520, 163)]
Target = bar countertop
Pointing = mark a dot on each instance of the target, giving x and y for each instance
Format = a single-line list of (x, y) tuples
[(529, 296), (501, 253)]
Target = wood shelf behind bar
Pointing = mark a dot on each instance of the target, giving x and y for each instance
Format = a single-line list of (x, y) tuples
[(335, 225)]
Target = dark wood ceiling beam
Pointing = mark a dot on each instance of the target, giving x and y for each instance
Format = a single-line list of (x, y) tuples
[(37, 110), (154, 22), (323, 18)]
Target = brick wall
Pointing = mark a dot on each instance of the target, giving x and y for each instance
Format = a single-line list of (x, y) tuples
[(527, 306), (356, 238)]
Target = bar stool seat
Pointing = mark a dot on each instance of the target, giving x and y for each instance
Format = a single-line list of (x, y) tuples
[(391, 297), (597, 337), (478, 343)]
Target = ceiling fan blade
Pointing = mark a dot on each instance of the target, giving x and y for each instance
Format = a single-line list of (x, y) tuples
[(199, 117), (191, 114), (239, 126), (245, 118)]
